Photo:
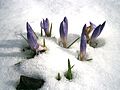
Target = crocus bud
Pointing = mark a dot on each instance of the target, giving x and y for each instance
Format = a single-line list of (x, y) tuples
[(31, 38), (97, 31), (64, 31), (83, 44), (45, 26)]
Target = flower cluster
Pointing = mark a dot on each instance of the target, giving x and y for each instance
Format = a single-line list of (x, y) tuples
[(85, 37), (63, 30), (45, 26), (32, 40)]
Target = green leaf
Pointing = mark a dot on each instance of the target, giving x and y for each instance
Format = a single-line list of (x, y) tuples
[(23, 37), (44, 45), (41, 34), (68, 74), (50, 29), (58, 77), (73, 42)]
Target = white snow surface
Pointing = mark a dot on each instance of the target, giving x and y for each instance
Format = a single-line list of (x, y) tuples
[(102, 73)]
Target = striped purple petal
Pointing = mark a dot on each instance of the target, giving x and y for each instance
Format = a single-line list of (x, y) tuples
[(30, 30), (66, 22), (83, 43), (32, 41), (83, 46), (41, 25), (102, 26), (97, 31)]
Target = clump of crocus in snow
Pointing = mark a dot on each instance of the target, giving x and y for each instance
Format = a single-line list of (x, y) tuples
[(83, 43), (64, 31), (45, 25), (32, 40), (97, 31)]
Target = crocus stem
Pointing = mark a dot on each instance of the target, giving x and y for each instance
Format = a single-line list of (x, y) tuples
[(73, 42), (64, 43), (24, 37), (50, 29), (89, 59), (35, 34), (41, 34), (44, 43), (58, 77)]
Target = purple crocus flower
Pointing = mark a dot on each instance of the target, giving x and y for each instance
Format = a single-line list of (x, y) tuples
[(97, 31), (64, 31), (45, 25), (32, 40), (83, 44)]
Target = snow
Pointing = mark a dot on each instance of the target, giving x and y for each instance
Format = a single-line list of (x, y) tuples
[(102, 73)]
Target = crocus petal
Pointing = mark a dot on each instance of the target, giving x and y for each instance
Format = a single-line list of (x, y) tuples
[(64, 31), (102, 26), (30, 30), (96, 32), (83, 40), (64, 28), (83, 43), (93, 25), (41, 25), (83, 47), (46, 25), (66, 22), (84, 30), (32, 41)]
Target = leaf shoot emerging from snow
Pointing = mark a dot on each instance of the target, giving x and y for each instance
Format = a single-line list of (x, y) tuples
[(69, 74), (58, 77)]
